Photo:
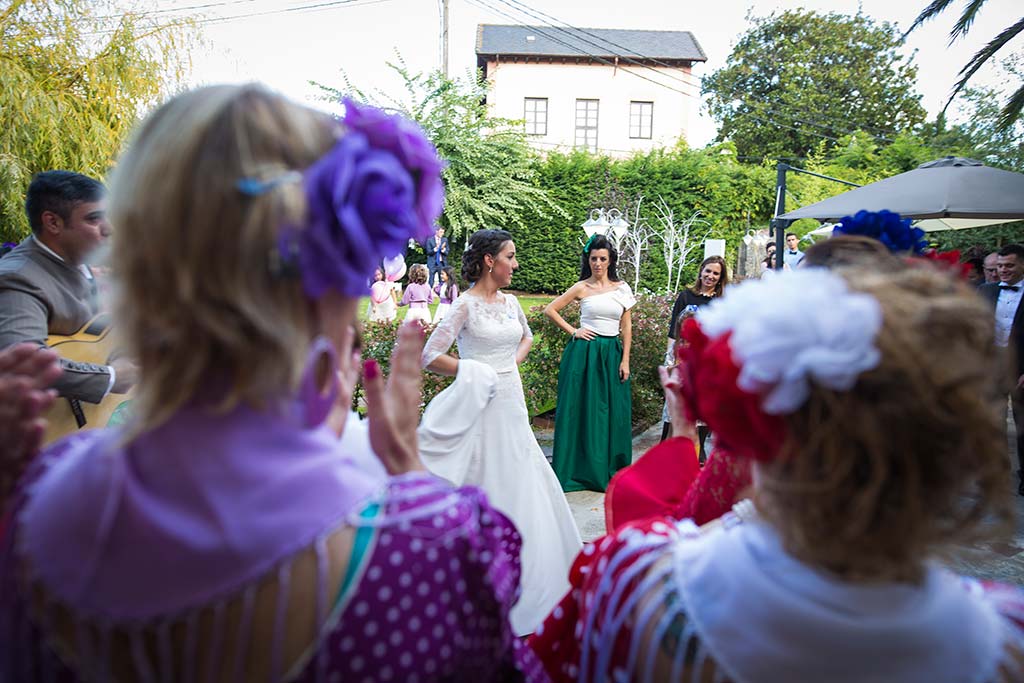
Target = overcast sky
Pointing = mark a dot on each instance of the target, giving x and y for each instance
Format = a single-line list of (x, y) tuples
[(318, 39)]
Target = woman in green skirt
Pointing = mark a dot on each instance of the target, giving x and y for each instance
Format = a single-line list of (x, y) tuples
[(593, 437)]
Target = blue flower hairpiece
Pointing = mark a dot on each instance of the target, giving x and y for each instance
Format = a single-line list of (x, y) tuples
[(886, 227), (590, 240)]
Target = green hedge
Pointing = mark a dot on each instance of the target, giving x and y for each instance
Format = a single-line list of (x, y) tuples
[(729, 195), (540, 371)]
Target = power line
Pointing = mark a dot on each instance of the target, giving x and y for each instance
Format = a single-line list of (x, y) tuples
[(565, 28), (576, 30), (480, 3), (571, 30), (315, 7)]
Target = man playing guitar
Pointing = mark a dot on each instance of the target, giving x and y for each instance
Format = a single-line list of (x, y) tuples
[(47, 289)]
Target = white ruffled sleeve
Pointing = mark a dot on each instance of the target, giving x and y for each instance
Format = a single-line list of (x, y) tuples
[(624, 295), (446, 332)]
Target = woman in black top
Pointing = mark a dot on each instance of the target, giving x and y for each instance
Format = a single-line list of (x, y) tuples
[(712, 278)]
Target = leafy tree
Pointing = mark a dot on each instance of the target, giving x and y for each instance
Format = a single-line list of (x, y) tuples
[(75, 75), (1011, 111), (797, 78), (490, 180)]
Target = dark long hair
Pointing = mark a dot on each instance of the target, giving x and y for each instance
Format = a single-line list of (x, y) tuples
[(481, 243), (600, 242), (723, 280)]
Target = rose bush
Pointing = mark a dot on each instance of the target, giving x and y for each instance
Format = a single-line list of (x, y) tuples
[(540, 371)]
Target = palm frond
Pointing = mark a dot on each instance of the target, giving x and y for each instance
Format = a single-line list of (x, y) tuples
[(983, 55), (1011, 111), (963, 25), (930, 12)]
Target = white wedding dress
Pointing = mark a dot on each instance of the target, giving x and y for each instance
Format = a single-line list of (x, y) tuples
[(477, 432)]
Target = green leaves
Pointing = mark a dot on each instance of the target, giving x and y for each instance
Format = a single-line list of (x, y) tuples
[(798, 78), (75, 75), (490, 180)]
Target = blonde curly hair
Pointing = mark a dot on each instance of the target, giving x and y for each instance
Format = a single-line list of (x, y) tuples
[(875, 480)]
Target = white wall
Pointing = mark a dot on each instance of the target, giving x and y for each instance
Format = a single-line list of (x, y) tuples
[(615, 88)]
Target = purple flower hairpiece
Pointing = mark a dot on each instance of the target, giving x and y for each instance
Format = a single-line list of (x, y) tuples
[(379, 186), (886, 227)]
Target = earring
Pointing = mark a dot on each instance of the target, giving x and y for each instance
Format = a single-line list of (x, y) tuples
[(490, 270)]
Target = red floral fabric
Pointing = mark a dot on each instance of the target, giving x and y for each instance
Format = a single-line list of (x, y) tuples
[(710, 393), (557, 641), (668, 481)]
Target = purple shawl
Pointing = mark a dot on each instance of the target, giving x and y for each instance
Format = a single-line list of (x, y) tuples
[(216, 501)]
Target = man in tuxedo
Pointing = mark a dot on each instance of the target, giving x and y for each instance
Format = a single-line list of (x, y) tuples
[(437, 254), (47, 288), (1005, 296), (792, 256)]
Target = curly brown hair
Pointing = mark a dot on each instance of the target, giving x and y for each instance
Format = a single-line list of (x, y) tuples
[(875, 480), (418, 274)]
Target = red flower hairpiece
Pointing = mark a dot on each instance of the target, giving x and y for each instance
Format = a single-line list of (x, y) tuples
[(710, 393), (947, 259)]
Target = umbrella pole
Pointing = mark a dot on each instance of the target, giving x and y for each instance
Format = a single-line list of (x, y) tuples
[(777, 227)]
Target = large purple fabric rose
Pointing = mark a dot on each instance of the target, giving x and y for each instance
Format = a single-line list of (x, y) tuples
[(372, 192)]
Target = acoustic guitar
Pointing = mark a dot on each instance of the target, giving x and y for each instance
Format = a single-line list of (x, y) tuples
[(91, 344)]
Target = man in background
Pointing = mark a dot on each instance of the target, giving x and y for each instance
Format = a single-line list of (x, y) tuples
[(991, 268), (45, 285), (792, 256), (1006, 296), (437, 254)]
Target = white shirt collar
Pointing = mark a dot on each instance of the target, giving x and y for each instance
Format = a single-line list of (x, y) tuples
[(83, 269)]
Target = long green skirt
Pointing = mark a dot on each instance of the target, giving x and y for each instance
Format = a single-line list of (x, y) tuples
[(593, 418)]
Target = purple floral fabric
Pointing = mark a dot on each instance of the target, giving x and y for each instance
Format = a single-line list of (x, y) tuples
[(429, 601)]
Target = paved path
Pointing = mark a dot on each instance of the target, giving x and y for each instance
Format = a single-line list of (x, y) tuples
[(1001, 561)]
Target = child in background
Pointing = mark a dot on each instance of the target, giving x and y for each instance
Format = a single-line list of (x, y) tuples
[(418, 295), (383, 299), (448, 290)]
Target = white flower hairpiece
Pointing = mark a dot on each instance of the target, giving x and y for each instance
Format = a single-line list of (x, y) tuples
[(791, 329)]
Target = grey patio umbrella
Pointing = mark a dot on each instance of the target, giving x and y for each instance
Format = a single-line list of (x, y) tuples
[(945, 194)]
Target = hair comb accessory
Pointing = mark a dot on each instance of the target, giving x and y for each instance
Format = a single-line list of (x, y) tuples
[(590, 241), (752, 356), (886, 227), (378, 187), (254, 187)]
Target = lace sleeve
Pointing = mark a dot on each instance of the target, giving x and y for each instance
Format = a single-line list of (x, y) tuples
[(444, 335), (527, 332)]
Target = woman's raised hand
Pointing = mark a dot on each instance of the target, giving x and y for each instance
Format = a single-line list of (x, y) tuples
[(670, 384), (393, 407), (26, 373)]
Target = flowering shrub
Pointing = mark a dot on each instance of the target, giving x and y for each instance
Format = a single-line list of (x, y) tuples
[(378, 341), (540, 371), (650, 338)]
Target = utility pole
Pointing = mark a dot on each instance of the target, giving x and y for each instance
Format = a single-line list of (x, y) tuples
[(444, 37)]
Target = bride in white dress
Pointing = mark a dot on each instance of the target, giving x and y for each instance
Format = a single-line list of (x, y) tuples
[(477, 431)]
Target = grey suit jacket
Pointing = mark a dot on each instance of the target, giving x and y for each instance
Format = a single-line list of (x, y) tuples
[(42, 295)]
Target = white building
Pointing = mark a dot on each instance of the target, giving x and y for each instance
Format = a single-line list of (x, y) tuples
[(607, 90)]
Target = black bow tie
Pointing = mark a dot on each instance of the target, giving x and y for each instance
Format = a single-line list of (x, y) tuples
[(1012, 288)]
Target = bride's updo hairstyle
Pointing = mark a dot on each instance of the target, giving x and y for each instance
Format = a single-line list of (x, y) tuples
[(911, 460), (481, 243)]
